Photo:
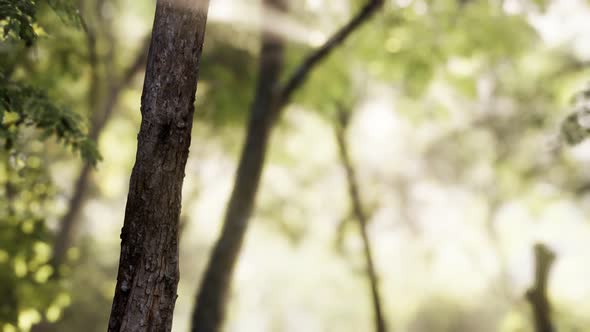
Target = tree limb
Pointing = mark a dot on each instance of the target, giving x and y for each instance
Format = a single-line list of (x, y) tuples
[(300, 74)]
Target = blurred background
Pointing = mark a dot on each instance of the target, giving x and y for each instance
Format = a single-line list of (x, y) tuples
[(465, 137)]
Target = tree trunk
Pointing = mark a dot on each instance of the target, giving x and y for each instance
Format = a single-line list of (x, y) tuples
[(269, 102), (148, 273), (212, 295)]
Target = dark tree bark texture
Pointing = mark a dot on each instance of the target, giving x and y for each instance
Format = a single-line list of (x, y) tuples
[(148, 273)]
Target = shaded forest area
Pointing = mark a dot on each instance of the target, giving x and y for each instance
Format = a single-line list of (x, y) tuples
[(275, 165)]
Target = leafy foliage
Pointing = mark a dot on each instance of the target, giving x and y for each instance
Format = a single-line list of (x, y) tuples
[(17, 17), (415, 45), (26, 197), (28, 117), (21, 105), (576, 126)]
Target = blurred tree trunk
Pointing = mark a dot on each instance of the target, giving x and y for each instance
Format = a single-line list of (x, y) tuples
[(212, 295), (537, 294), (361, 217), (269, 102), (147, 279)]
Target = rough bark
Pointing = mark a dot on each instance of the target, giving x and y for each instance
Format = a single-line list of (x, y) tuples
[(212, 295), (361, 217), (537, 295), (148, 274), (270, 101)]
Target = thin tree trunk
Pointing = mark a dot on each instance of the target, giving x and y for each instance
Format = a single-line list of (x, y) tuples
[(361, 217), (537, 295), (270, 101), (148, 274)]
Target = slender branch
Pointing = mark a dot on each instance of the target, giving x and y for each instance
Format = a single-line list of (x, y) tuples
[(298, 77), (361, 217), (537, 295)]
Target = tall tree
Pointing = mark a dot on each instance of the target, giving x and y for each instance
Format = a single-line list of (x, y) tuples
[(148, 275), (269, 102)]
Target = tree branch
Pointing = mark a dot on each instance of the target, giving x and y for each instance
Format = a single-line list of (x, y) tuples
[(360, 216), (537, 295), (298, 77)]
